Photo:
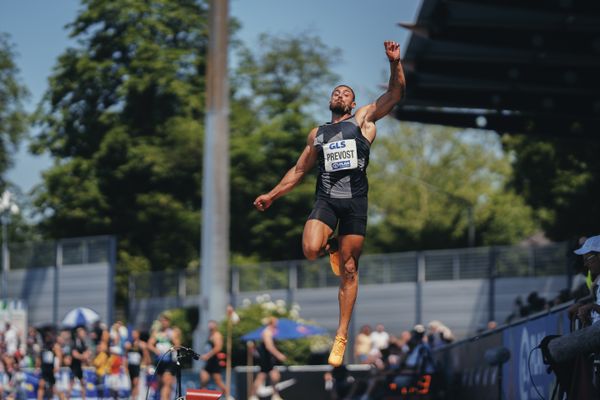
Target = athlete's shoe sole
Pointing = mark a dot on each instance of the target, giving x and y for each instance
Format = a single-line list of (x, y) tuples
[(336, 357)]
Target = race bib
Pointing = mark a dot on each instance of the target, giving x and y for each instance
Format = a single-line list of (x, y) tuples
[(134, 358), (340, 155)]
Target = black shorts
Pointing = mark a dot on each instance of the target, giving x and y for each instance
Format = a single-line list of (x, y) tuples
[(134, 371), (267, 362), (166, 366), (48, 376), (77, 371), (350, 213), (213, 365)]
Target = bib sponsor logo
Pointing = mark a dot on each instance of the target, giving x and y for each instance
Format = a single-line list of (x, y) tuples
[(340, 165), (337, 145), (340, 155)]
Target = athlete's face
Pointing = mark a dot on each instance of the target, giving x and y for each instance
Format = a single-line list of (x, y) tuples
[(342, 100)]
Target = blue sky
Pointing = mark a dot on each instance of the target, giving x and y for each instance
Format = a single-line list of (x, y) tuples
[(359, 28)]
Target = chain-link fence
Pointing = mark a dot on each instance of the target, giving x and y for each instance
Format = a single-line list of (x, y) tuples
[(84, 250), (430, 265)]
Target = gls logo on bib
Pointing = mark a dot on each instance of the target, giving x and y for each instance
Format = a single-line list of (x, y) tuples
[(340, 155)]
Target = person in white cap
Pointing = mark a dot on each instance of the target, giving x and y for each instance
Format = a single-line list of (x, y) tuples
[(587, 310)]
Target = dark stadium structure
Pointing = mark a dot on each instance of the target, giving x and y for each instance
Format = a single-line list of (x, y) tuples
[(506, 65)]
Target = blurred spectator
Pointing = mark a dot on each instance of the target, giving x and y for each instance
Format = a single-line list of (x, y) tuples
[(119, 335), (137, 356), (64, 340), (162, 340), (402, 341), (269, 356), (587, 310), (33, 346), (99, 333), (80, 356), (115, 369), (50, 363), (362, 345), (438, 334), (11, 339), (214, 359), (418, 361), (101, 363), (380, 339), (535, 303)]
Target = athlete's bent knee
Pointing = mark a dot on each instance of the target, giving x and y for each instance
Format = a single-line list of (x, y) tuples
[(350, 269), (311, 252)]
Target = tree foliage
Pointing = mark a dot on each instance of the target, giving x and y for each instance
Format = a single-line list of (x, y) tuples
[(13, 118), (275, 89), (122, 119), (560, 179), (425, 178)]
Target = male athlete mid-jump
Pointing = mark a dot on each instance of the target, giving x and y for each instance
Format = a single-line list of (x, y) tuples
[(341, 150)]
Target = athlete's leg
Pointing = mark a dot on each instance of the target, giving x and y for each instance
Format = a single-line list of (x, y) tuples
[(350, 249), (314, 238)]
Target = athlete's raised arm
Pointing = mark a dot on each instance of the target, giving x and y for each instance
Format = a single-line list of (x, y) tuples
[(394, 93)]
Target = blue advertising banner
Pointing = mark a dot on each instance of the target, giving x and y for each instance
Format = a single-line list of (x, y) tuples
[(525, 372), (468, 375)]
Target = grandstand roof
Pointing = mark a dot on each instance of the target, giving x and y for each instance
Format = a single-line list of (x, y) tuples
[(506, 65)]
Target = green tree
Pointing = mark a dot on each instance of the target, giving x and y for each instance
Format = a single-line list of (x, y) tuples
[(271, 119), (560, 179), (13, 118), (123, 121), (423, 181)]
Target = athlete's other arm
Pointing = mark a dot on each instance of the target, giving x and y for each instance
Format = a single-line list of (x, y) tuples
[(371, 113), (305, 162)]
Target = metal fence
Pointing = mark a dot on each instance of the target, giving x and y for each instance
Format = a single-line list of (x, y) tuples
[(422, 266), (53, 277), (83, 250)]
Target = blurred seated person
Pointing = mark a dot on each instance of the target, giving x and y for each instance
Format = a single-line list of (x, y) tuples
[(416, 363), (438, 334), (587, 309), (582, 281), (363, 345)]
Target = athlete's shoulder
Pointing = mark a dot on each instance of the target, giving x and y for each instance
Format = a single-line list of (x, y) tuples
[(312, 135), (362, 113)]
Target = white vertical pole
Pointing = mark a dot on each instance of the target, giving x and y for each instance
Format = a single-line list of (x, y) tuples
[(214, 260)]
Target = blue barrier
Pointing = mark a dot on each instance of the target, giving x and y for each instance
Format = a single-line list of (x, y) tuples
[(467, 375), (27, 384), (94, 388)]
